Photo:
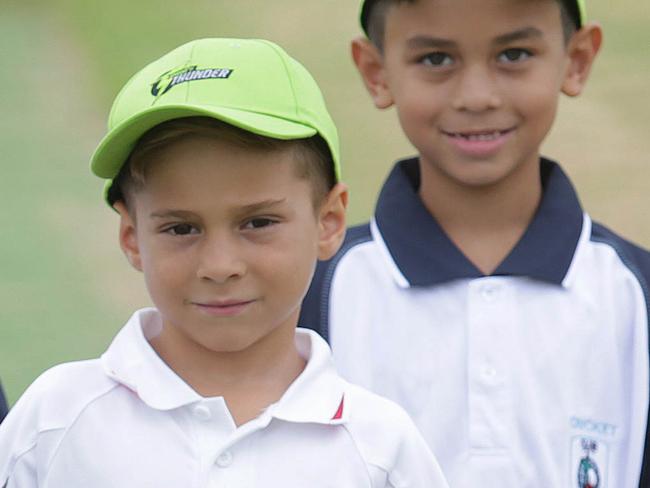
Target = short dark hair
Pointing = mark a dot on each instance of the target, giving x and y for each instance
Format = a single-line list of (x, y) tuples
[(376, 18), (312, 155)]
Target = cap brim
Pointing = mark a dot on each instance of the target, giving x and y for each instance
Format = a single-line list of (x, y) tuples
[(115, 148)]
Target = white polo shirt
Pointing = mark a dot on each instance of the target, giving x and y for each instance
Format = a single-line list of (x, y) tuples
[(534, 376), (127, 420)]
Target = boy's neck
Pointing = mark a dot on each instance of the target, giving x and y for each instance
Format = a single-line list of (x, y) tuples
[(484, 222), (248, 380)]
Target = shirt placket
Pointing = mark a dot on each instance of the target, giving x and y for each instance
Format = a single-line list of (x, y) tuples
[(216, 442), (226, 450), (490, 313)]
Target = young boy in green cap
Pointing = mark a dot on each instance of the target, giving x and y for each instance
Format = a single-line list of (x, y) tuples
[(481, 297), (223, 164)]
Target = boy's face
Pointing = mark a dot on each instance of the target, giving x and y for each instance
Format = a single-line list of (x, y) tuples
[(227, 239), (475, 82)]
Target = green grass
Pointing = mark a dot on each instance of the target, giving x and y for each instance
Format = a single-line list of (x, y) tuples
[(65, 287), (46, 308)]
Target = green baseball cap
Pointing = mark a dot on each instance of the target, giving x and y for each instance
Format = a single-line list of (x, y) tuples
[(577, 10), (252, 84)]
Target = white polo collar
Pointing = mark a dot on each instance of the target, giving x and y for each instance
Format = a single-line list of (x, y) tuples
[(316, 396)]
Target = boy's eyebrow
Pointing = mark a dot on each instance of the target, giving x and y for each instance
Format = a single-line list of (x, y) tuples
[(421, 41), (518, 35), (167, 213), (262, 205), (185, 214)]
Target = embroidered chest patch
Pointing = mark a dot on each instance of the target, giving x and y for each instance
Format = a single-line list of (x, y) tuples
[(589, 460), (591, 443)]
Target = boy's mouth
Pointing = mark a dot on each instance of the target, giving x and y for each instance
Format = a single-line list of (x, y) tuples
[(483, 135), (223, 307), (479, 143)]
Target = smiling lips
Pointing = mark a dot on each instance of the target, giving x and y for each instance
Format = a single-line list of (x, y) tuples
[(479, 143), (226, 308)]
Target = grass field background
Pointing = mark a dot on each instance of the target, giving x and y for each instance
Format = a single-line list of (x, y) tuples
[(65, 289)]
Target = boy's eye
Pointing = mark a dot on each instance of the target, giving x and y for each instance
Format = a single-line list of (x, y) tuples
[(514, 55), (181, 229), (436, 59), (258, 223)]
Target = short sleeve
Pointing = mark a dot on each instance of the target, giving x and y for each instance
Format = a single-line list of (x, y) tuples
[(17, 448), (34, 428), (23, 473), (21, 448)]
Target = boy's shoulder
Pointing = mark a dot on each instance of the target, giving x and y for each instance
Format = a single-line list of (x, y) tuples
[(370, 413), (627, 248), (48, 408), (388, 439), (57, 397), (634, 257), (368, 408)]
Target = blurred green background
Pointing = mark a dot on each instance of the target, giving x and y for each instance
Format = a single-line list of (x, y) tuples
[(65, 288)]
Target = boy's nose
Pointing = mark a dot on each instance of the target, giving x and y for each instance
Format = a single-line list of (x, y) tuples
[(476, 91), (220, 261)]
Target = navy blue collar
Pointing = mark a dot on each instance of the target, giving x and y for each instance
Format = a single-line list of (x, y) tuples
[(426, 256)]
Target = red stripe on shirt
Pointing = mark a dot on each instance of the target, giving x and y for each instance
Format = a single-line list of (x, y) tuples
[(339, 413)]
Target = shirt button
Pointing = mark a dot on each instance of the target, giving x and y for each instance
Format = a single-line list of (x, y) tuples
[(202, 412), (489, 374), (225, 459), (490, 292)]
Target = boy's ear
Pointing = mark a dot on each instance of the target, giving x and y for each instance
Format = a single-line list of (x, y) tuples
[(582, 50), (331, 219), (370, 63), (128, 236)]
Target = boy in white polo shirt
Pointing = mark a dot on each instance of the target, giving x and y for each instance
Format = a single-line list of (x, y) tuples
[(222, 163), (481, 296)]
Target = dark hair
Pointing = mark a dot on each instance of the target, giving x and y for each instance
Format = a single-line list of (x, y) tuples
[(374, 18), (312, 155)]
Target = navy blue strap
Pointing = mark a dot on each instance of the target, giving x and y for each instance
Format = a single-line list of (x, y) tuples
[(314, 313), (3, 405)]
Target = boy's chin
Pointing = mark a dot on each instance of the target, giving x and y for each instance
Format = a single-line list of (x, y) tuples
[(477, 174)]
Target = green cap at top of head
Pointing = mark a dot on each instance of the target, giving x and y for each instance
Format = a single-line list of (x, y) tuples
[(579, 5), (252, 84)]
